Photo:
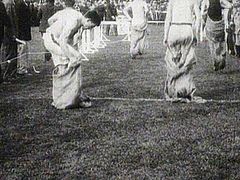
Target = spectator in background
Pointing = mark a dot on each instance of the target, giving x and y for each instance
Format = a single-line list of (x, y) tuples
[(34, 14), (230, 29), (113, 28), (100, 8), (9, 45), (4, 22), (44, 13), (58, 5), (24, 33), (163, 8), (111, 13), (151, 13), (236, 20), (121, 7), (84, 7)]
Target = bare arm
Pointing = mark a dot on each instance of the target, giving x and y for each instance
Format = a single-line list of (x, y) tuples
[(67, 48), (225, 4), (167, 22)]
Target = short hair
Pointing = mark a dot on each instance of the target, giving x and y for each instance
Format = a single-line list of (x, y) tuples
[(69, 3), (93, 16)]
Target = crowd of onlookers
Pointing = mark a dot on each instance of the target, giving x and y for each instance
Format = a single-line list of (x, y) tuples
[(233, 30), (157, 10), (16, 22), (16, 19)]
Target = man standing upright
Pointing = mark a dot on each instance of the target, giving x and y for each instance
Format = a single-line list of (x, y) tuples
[(111, 13), (181, 33), (4, 22), (60, 39), (23, 17), (236, 22), (139, 25), (215, 31), (9, 45)]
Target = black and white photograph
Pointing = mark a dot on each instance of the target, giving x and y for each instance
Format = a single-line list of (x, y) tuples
[(120, 89)]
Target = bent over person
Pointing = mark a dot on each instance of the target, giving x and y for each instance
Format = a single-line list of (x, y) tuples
[(139, 25), (59, 39), (181, 34)]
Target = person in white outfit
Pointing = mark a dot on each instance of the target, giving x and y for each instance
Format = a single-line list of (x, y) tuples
[(139, 25), (59, 40), (181, 33)]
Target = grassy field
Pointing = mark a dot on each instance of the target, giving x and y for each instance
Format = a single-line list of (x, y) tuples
[(122, 139)]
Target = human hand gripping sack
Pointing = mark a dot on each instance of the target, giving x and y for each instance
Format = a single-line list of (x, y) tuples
[(74, 62)]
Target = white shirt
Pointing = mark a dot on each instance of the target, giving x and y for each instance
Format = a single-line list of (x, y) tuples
[(139, 10), (182, 11)]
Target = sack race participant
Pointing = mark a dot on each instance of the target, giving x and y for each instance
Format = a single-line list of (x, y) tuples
[(230, 29), (139, 10), (59, 40), (181, 33), (215, 31)]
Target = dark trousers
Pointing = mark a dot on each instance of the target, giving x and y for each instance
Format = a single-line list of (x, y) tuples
[(1, 79), (237, 51), (8, 52), (111, 30)]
